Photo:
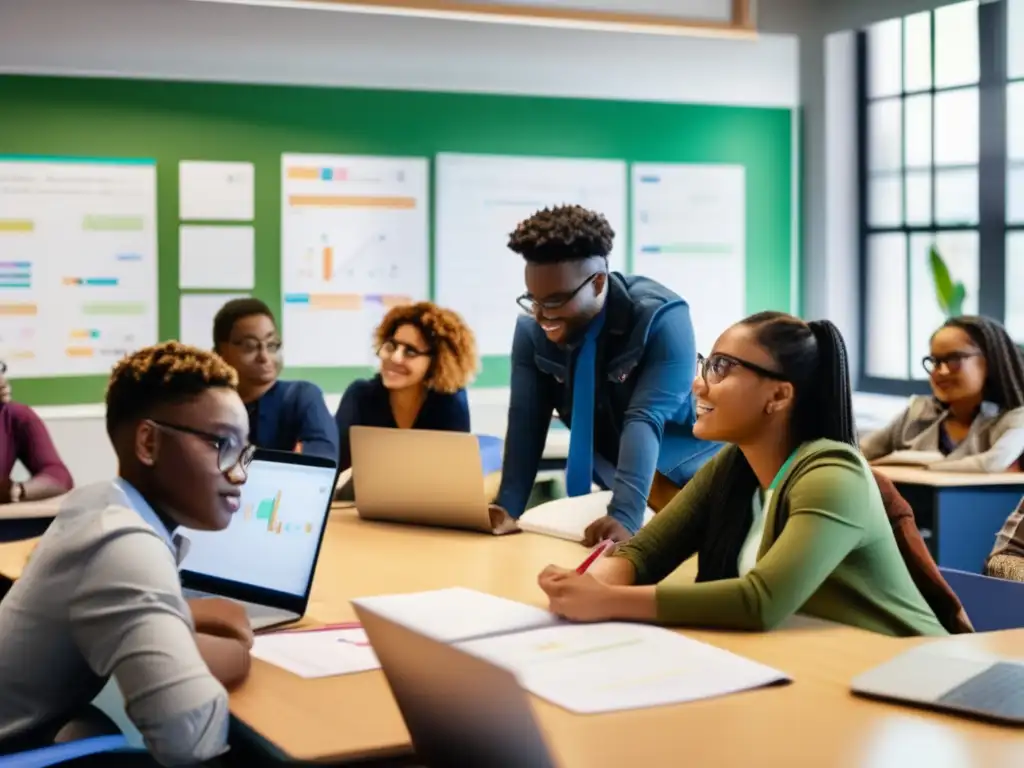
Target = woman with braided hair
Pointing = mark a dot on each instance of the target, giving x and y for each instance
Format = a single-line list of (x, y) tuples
[(787, 517), (974, 419)]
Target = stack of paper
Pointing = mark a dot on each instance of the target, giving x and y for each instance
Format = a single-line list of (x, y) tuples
[(585, 668), (568, 518)]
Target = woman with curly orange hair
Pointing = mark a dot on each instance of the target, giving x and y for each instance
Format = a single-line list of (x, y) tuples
[(427, 358)]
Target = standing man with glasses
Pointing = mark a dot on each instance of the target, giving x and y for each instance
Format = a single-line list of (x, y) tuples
[(101, 596), (614, 356), (283, 415)]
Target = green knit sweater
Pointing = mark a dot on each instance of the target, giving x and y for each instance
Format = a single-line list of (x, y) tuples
[(835, 559)]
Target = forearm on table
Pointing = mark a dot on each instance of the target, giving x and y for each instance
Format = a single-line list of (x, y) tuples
[(46, 485), (228, 660), (614, 571), (629, 603)]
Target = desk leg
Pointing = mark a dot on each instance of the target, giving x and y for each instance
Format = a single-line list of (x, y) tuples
[(967, 521)]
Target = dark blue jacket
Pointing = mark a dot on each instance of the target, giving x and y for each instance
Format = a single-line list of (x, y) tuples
[(292, 412), (366, 403), (644, 404)]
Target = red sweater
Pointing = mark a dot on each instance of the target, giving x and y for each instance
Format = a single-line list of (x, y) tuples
[(23, 437)]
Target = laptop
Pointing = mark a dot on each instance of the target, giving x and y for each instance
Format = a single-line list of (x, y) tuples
[(267, 556), (946, 676), (419, 476), (460, 710)]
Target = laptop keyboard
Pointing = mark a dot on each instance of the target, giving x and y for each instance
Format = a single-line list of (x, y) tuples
[(997, 691)]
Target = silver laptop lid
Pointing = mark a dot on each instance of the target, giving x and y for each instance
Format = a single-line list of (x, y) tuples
[(419, 476), (268, 554), (460, 709)]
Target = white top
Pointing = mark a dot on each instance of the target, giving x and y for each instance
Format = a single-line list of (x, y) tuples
[(748, 552)]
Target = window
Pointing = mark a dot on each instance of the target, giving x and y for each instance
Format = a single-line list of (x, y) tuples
[(941, 167)]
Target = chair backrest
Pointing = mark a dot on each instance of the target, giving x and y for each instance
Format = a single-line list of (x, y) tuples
[(992, 604), (61, 753)]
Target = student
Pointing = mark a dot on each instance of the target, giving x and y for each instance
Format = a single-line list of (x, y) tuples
[(427, 358), (975, 416), (609, 354), (101, 595), (1007, 558), (283, 415), (786, 518), (24, 438)]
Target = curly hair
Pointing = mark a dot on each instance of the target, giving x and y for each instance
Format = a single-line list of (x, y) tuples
[(170, 372), (563, 233), (451, 341), (1004, 384)]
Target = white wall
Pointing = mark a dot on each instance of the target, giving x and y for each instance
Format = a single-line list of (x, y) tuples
[(183, 40)]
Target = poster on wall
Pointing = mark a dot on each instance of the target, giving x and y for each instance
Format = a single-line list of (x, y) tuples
[(689, 233), (78, 263), (354, 243)]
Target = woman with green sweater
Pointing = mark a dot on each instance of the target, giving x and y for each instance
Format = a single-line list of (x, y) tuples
[(786, 518)]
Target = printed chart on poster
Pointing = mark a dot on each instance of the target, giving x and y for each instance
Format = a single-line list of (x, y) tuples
[(78, 269), (689, 233), (272, 540), (354, 243), (480, 200)]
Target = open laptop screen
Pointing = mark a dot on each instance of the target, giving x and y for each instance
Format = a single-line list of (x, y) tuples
[(273, 540)]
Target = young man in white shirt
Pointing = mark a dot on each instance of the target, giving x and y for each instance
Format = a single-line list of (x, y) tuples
[(101, 595)]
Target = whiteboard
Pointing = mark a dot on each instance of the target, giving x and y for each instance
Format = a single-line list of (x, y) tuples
[(479, 201), (689, 234), (78, 263), (354, 243)]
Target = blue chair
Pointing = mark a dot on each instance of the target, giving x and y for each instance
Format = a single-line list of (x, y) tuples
[(991, 604), (59, 753), (491, 452)]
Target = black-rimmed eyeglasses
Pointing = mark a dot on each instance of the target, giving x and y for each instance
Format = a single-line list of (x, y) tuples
[(716, 367), (530, 305), (231, 452)]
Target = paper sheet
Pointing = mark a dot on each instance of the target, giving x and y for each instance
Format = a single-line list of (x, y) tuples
[(216, 257), (215, 191), (455, 614), (196, 314), (568, 518), (320, 653), (588, 668)]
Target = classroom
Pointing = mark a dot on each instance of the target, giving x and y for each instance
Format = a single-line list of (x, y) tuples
[(308, 306)]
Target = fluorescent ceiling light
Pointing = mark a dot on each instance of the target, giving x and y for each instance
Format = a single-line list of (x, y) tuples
[(682, 28)]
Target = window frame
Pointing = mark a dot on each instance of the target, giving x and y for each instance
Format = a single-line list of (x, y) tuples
[(992, 226)]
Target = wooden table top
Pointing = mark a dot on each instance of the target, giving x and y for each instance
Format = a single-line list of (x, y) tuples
[(814, 721)]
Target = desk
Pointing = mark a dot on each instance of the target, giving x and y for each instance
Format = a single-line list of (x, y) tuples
[(958, 513), (813, 722), (13, 557)]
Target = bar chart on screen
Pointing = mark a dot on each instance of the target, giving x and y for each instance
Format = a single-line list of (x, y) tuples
[(272, 540)]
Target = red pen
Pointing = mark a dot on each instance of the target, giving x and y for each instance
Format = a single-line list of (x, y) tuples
[(596, 553)]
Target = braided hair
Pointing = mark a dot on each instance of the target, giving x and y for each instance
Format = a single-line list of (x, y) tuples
[(1004, 384), (812, 357)]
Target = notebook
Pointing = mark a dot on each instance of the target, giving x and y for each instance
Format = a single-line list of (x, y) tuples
[(910, 459), (583, 668), (568, 518)]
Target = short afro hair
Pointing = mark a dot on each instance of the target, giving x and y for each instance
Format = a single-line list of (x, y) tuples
[(171, 372), (563, 233), (232, 312), (451, 341)]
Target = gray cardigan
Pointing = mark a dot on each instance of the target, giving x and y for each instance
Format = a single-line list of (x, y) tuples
[(994, 442)]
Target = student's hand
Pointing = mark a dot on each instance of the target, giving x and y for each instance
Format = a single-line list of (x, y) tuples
[(222, 618), (605, 528), (575, 597), (501, 521)]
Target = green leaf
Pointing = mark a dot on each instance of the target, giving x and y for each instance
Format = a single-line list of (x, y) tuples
[(956, 304), (944, 289)]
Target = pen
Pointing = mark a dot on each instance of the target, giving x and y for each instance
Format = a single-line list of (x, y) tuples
[(592, 557)]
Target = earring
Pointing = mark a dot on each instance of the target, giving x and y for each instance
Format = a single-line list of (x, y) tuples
[(770, 408)]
